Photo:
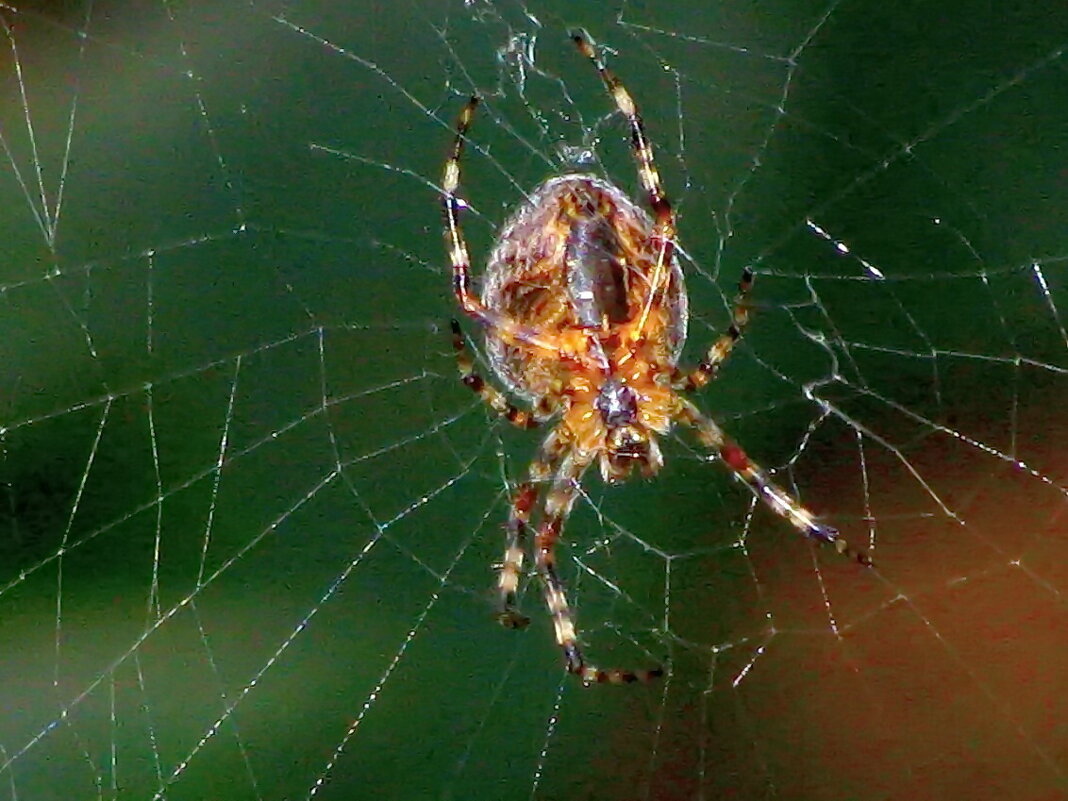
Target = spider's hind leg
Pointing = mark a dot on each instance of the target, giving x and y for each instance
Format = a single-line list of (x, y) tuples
[(663, 234), (508, 330)]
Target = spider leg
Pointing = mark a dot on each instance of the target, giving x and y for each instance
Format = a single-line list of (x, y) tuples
[(724, 344), (664, 231), (493, 397), (774, 496), (509, 615), (526, 495), (558, 503), (505, 328)]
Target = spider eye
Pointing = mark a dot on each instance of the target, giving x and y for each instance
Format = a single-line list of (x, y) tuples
[(627, 447), (628, 442)]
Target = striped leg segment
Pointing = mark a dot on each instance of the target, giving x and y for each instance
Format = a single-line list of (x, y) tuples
[(664, 232), (493, 397), (454, 238), (643, 150), (722, 347), (523, 501), (506, 329), (512, 567), (558, 505), (776, 498)]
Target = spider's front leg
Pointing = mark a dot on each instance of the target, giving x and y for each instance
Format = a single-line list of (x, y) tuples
[(558, 503), (774, 496), (526, 495), (523, 501)]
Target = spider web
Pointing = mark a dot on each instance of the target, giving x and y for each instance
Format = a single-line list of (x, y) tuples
[(249, 515)]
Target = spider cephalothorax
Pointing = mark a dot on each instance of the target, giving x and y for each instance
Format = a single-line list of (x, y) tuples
[(584, 310), (627, 441)]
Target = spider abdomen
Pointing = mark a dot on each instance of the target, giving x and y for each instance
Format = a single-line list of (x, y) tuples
[(596, 274), (577, 254)]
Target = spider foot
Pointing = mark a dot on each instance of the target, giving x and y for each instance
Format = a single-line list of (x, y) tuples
[(511, 619), (823, 533), (594, 675), (829, 535), (860, 557)]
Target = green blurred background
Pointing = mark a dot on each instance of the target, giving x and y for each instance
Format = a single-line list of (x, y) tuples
[(249, 515)]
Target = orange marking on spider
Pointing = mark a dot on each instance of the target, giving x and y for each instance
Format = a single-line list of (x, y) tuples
[(584, 310), (735, 458)]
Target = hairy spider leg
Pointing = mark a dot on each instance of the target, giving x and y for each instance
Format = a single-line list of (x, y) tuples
[(664, 233), (664, 228), (523, 501), (506, 329), (724, 344), (508, 615), (773, 496), (526, 494), (557, 507), (493, 397)]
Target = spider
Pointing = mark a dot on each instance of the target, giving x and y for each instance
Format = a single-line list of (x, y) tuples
[(584, 310)]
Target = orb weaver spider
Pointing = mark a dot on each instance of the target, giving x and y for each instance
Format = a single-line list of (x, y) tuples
[(584, 310)]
